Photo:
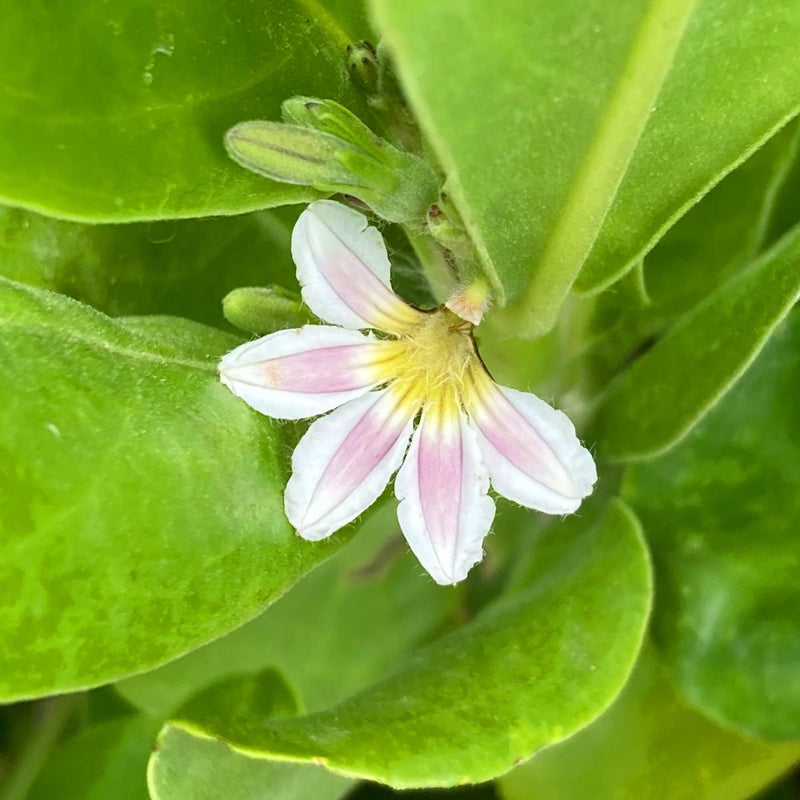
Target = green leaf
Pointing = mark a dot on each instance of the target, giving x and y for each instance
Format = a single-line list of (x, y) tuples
[(576, 133), (108, 760), (721, 515), (722, 233), (185, 766), (709, 117), (142, 506), (121, 113), (229, 704), (715, 240), (658, 400), (468, 706), (170, 267), (650, 746), (344, 626), (189, 768), (786, 211)]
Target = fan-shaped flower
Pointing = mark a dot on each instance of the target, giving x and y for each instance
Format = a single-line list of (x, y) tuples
[(421, 382)]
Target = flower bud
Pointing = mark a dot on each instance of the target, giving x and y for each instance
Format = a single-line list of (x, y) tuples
[(323, 145), (362, 61), (262, 310)]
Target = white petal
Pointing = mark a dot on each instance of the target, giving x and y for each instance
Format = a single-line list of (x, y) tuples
[(444, 510), (304, 371), (343, 463), (533, 454), (344, 270)]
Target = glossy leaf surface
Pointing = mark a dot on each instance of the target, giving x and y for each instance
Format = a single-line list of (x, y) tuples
[(169, 267), (185, 767), (190, 768), (723, 232), (650, 746), (469, 705), (344, 626), (121, 114), (721, 515), (591, 157), (673, 385), (142, 512)]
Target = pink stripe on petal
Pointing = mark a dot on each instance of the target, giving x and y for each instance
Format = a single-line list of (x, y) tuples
[(444, 510), (311, 372), (533, 454), (305, 371), (344, 270), (343, 463)]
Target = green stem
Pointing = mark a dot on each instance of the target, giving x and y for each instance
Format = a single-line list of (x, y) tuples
[(434, 264), (604, 166), (55, 715)]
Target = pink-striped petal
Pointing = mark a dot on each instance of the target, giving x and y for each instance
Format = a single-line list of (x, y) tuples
[(531, 450), (444, 510), (304, 371), (343, 463), (344, 270)]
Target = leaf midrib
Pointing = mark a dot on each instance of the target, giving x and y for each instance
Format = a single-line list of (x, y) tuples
[(100, 344), (607, 158)]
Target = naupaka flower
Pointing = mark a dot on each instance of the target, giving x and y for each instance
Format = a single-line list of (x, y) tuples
[(417, 398)]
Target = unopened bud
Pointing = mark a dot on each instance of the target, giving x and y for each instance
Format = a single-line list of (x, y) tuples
[(446, 228), (325, 146), (291, 154), (332, 118), (362, 61), (263, 310)]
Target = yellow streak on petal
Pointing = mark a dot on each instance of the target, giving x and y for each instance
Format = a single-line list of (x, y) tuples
[(432, 365), (395, 316)]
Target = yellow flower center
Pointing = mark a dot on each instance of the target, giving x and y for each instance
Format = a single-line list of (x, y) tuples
[(432, 361)]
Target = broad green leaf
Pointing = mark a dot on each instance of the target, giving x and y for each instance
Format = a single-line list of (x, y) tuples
[(266, 694), (528, 671), (108, 761), (142, 503), (104, 761), (186, 767), (118, 112), (722, 233), (576, 133), (169, 267), (732, 85), (343, 627), (658, 400), (721, 515), (716, 239), (650, 746)]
